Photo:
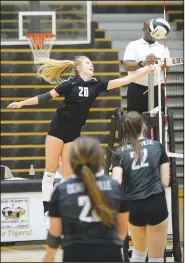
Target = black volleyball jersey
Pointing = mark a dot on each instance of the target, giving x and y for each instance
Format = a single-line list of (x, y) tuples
[(141, 179), (71, 202), (79, 96)]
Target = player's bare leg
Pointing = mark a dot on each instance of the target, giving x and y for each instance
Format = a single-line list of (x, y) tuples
[(53, 149), (156, 241), (66, 167), (139, 241)]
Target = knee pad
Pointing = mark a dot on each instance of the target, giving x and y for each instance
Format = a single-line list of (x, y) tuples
[(138, 256), (48, 177), (47, 185)]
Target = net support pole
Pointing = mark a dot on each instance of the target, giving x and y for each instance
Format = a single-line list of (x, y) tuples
[(151, 91), (159, 102), (151, 98)]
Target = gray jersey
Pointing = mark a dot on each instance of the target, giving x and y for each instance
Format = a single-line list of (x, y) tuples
[(141, 179), (71, 202)]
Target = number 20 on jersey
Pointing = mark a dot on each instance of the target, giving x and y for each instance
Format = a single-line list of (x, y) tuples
[(83, 92)]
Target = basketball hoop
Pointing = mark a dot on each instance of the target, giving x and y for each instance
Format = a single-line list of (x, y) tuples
[(40, 45)]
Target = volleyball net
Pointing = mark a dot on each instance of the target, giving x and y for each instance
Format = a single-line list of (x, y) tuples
[(167, 127), (171, 134)]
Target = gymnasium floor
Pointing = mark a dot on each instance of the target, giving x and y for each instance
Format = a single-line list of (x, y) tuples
[(34, 253)]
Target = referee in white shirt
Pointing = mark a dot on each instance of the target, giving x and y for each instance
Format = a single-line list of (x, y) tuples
[(138, 54)]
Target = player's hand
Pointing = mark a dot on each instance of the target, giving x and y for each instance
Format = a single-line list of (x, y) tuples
[(147, 62), (150, 69), (15, 105), (151, 58)]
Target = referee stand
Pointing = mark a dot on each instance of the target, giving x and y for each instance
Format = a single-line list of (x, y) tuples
[(151, 118)]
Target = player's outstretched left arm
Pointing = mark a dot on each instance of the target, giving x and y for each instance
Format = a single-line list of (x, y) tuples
[(117, 83), (35, 100)]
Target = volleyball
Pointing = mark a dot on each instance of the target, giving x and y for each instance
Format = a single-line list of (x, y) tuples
[(159, 28)]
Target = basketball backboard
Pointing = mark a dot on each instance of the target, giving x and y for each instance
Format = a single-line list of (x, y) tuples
[(70, 21)]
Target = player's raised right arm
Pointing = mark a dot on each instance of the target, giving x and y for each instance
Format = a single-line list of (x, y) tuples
[(117, 83), (35, 100)]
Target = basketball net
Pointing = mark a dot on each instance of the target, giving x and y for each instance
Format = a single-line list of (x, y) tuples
[(40, 45)]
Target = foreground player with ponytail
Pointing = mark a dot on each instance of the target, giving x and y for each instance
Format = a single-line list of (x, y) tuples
[(79, 91), (142, 167), (87, 209)]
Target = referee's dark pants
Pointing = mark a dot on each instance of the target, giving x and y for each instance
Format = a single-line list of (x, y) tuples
[(137, 98)]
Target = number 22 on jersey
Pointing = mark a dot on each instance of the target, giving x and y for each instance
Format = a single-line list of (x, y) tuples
[(143, 162), (83, 91), (87, 214)]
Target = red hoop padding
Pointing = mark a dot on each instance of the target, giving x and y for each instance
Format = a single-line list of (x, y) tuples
[(38, 39)]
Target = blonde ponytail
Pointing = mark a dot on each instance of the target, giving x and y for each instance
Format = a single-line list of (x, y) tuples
[(53, 69)]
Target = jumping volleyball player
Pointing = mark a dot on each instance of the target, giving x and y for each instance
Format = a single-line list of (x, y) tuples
[(87, 209), (80, 91), (142, 167)]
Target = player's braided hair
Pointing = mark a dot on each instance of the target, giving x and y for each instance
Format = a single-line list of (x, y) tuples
[(53, 70), (86, 160), (132, 127)]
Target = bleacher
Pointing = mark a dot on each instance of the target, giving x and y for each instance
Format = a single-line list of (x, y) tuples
[(24, 130)]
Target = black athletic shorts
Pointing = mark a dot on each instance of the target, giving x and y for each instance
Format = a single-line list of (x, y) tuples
[(92, 253), (150, 211), (137, 98), (66, 130)]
